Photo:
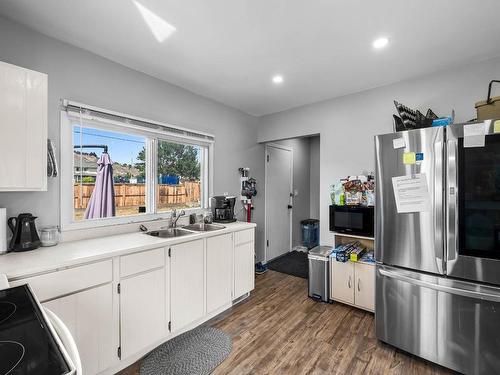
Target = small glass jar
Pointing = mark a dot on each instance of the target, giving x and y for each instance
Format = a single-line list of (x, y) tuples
[(49, 236), (207, 217)]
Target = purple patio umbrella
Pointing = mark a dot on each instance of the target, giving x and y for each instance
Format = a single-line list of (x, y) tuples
[(102, 200)]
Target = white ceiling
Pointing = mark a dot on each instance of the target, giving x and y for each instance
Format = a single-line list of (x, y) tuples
[(228, 50)]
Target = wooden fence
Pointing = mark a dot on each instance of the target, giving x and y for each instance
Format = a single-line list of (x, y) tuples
[(130, 195)]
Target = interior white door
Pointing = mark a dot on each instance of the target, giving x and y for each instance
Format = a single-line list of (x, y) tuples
[(278, 201)]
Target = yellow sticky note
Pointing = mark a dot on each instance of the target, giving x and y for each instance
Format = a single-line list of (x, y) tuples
[(409, 158), (496, 126)]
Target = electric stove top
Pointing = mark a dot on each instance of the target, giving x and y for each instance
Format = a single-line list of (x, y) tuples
[(27, 346)]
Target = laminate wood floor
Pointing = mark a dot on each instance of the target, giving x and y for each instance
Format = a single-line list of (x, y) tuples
[(279, 330)]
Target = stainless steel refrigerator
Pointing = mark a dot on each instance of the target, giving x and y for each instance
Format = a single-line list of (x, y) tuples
[(437, 244)]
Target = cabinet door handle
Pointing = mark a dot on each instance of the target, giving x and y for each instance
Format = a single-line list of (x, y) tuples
[(349, 283), (359, 283)]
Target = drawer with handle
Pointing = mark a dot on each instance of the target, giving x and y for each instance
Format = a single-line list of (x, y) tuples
[(244, 236), (140, 262), (67, 281)]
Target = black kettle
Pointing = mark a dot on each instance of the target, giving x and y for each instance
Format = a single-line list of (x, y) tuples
[(24, 234)]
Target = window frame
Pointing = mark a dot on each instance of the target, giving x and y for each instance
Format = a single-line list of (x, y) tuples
[(152, 136)]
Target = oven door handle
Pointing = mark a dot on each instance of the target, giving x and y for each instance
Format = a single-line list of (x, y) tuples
[(66, 339), (490, 295)]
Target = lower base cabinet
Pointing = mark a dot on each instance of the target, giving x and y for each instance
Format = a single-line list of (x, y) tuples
[(142, 311), (118, 308), (89, 317), (353, 283), (364, 296), (244, 262), (187, 284), (219, 253), (342, 281)]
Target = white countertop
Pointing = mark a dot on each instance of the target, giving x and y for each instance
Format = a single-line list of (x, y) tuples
[(67, 254)]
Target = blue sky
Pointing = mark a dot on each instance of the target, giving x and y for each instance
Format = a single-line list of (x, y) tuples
[(122, 148)]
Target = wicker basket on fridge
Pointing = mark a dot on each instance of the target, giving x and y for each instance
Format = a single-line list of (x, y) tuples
[(489, 108)]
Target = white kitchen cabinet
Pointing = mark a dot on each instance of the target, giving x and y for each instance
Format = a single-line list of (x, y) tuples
[(89, 317), (353, 283), (244, 262), (127, 301), (342, 281), (187, 281), (219, 255), (142, 311), (23, 119), (364, 295)]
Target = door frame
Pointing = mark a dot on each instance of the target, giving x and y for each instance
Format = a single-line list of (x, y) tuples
[(266, 153)]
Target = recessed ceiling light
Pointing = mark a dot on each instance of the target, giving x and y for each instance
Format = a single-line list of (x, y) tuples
[(160, 28), (278, 79), (380, 43)]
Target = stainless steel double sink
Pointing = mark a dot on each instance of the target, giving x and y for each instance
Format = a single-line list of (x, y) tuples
[(185, 230), (202, 227)]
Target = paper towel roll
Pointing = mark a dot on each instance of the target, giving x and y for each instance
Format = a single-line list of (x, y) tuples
[(3, 230)]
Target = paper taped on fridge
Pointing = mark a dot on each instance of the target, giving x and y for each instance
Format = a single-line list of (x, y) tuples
[(411, 193)]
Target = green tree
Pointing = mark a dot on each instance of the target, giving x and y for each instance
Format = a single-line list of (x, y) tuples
[(88, 180), (173, 159)]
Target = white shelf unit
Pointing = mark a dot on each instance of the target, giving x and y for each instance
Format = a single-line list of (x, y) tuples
[(353, 283)]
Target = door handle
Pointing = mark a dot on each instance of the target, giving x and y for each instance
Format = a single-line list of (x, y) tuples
[(438, 204), (349, 283), (452, 204), (491, 295), (359, 283)]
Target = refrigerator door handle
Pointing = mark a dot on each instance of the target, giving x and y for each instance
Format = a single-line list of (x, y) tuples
[(451, 208), (438, 205), (491, 295)]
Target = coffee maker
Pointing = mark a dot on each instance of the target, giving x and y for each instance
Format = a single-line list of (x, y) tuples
[(223, 209)]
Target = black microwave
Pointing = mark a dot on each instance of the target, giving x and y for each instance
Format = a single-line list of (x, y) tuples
[(358, 220)]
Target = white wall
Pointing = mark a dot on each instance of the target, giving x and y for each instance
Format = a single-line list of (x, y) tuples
[(79, 75), (347, 124), (301, 177), (314, 177)]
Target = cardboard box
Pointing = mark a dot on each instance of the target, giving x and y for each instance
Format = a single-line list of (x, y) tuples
[(486, 111)]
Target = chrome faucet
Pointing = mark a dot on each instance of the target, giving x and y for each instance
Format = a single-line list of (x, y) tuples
[(176, 217)]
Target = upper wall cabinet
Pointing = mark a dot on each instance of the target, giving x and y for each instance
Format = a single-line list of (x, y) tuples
[(23, 126)]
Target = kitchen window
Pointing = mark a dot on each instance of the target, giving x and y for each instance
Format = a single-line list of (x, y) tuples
[(178, 171), (129, 182), (118, 169)]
